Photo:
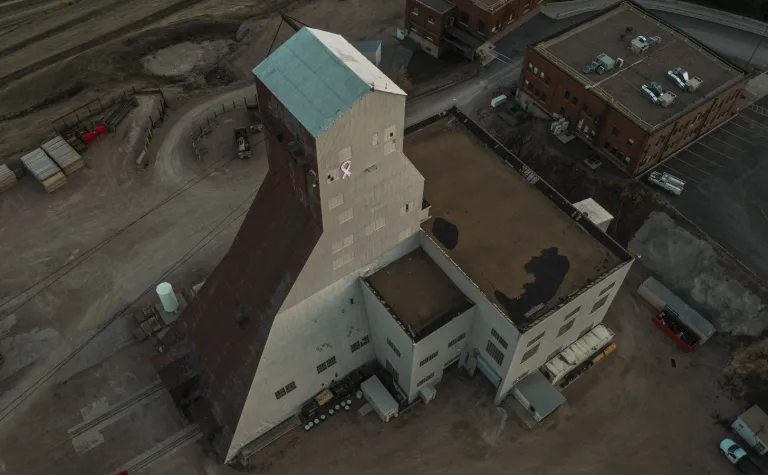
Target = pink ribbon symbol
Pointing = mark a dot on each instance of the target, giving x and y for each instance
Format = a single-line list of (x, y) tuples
[(345, 169)]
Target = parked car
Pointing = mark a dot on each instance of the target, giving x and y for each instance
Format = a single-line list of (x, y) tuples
[(738, 457)]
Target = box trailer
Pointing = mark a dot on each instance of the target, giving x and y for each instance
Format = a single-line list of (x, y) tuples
[(379, 398), (672, 307), (592, 346)]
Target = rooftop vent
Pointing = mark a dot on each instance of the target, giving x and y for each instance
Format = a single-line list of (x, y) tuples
[(641, 43), (680, 77), (653, 91), (601, 64)]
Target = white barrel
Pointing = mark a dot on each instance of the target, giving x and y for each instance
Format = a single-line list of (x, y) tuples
[(167, 297)]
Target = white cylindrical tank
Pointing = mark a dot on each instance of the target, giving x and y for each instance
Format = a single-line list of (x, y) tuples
[(167, 297)]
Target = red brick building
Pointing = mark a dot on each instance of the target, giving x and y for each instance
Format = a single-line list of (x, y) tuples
[(635, 113), (461, 25)]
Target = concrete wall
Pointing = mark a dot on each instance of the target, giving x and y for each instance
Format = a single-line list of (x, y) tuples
[(573, 324), (385, 329), (382, 181), (487, 316), (303, 336), (438, 341)]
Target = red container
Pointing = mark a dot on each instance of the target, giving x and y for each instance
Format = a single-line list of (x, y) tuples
[(89, 136), (686, 347), (100, 129)]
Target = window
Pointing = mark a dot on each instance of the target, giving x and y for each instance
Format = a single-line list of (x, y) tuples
[(512, 16), (572, 314), (345, 154), (406, 208), (530, 66), (464, 18), (501, 340), (428, 359), (344, 243), (537, 92), (630, 142), (607, 145), (415, 11), (375, 139), (394, 348), (527, 355), (608, 287), (527, 6), (326, 364), (494, 352), (389, 133), (615, 132), (565, 328), (431, 19), (535, 70), (499, 23), (456, 340), (541, 75), (375, 226), (365, 340), (528, 84), (343, 260), (389, 147), (575, 101), (599, 304), (547, 80), (392, 371), (537, 338), (345, 216), (562, 111), (336, 201), (481, 27), (567, 94), (355, 346), (285, 390), (425, 379)]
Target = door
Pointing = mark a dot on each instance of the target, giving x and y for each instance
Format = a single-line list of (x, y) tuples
[(488, 371)]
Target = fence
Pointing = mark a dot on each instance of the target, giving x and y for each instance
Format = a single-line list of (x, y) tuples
[(212, 119), (77, 118), (153, 124)]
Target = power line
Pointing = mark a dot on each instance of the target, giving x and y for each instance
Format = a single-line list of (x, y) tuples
[(90, 252), (24, 395)]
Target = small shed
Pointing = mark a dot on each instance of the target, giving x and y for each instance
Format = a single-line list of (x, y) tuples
[(44, 170), (379, 398), (7, 178), (660, 297), (64, 155), (595, 213), (752, 426)]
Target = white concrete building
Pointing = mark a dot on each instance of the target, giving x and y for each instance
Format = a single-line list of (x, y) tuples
[(338, 264)]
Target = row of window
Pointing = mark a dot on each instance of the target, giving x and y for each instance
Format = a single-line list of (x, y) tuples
[(359, 344), (456, 340), (394, 348), (539, 74), (285, 390), (538, 93), (425, 379), (326, 364), (428, 359), (499, 338)]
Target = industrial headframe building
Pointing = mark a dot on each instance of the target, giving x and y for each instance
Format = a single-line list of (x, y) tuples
[(338, 263), (632, 86)]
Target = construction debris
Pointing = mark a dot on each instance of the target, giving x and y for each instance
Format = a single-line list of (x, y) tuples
[(44, 170)]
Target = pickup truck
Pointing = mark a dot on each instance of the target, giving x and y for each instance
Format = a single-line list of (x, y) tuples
[(668, 182), (738, 457)]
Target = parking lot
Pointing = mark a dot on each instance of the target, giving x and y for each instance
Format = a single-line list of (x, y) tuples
[(726, 194)]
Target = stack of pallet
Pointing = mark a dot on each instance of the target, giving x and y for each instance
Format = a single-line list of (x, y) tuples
[(7, 178), (44, 170), (64, 155)]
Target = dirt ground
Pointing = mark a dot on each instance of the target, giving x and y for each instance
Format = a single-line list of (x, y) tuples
[(60, 57), (636, 413)]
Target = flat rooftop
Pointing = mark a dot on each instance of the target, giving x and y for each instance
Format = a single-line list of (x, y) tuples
[(577, 47), (440, 6), (522, 251), (418, 293)]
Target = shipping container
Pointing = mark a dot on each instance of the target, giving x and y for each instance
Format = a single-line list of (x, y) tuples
[(379, 398)]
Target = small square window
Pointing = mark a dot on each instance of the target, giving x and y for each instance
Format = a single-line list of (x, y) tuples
[(541, 74), (431, 19), (615, 132), (530, 66), (528, 354), (575, 101), (415, 11), (630, 142), (567, 94)]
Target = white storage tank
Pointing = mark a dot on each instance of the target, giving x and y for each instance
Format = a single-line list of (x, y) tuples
[(167, 297)]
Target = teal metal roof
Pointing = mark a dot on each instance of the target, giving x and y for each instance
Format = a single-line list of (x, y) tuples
[(312, 81)]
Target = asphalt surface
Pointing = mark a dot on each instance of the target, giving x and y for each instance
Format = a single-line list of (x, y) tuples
[(726, 194)]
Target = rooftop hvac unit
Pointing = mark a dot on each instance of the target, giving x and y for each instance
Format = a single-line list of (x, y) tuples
[(641, 43), (667, 99), (680, 77), (619, 62), (653, 91), (601, 64)]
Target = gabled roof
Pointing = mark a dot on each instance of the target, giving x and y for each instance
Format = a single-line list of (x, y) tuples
[(318, 76)]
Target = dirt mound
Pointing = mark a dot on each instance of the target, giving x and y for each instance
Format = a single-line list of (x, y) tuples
[(183, 58), (751, 360)]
